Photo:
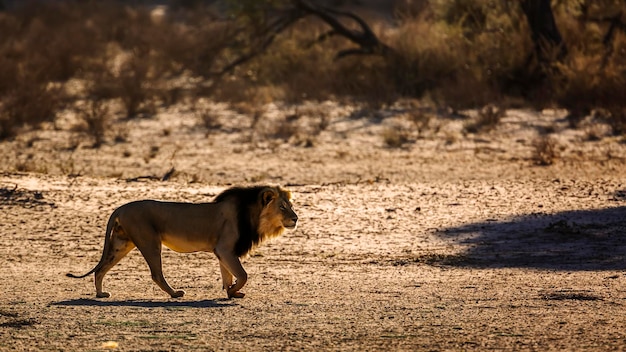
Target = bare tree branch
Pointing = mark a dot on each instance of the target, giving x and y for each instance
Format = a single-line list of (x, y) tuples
[(365, 38), (367, 41), (272, 30), (322, 37)]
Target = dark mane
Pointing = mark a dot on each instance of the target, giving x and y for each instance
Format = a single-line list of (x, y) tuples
[(246, 198)]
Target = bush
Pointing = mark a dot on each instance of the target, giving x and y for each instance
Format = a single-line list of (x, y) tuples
[(95, 115), (589, 80), (488, 118), (28, 104), (544, 151)]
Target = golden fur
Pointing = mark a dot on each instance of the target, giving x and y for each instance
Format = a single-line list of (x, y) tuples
[(235, 222)]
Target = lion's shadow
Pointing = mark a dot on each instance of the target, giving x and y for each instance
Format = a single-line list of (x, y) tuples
[(571, 240), (218, 303)]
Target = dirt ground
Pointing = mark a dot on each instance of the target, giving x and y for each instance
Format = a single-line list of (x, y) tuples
[(450, 241)]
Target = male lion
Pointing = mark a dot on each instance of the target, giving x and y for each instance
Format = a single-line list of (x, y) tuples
[(230, 226)]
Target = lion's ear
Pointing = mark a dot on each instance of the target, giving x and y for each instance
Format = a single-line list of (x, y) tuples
[(267, 196)]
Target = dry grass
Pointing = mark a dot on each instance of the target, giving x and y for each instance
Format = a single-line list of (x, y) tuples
[(208, 118)]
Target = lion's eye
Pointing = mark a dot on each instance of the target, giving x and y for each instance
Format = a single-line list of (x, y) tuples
[(282, 207)]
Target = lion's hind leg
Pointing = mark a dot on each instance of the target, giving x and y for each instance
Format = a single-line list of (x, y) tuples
[(152, 254), (120, 246)]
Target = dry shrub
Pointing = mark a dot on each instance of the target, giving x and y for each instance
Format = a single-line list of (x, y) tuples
[(134, 85), (50, 39), (594, 131), (367, 80), (588, 82), (306, 71), (395, 137), (207, 116), (320, 119), (300, 71), (95, 115), (420, 119), (423, 60), (462, 54), (486, 120), (285, 129), (49, 42), (617, 120), (410, 9), (592, 76), (194, 41), (244, 95), (29, 103), (273, 129), (544, 151), (30, 63)]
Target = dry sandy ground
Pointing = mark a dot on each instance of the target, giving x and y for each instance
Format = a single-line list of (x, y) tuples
[(450, 242)]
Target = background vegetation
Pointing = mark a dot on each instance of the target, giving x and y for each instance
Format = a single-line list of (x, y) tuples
[(102, 59)]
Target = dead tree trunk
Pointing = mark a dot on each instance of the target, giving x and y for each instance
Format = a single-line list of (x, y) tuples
[(549, 46)]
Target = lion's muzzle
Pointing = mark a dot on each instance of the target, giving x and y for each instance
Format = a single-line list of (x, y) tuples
[(291, 222)]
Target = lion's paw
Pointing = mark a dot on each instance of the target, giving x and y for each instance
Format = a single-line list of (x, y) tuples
[(178, 294), (236, 294), (103, 295)]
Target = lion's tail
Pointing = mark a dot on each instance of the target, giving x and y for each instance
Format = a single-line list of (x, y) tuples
[(107, 244)]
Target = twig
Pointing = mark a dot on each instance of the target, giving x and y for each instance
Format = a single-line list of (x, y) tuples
[(168, 174), (139, 178)]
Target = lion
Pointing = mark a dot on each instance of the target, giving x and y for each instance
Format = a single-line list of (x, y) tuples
[(238, 220)]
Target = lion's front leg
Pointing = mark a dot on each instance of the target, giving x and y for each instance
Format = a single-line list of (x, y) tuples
[(231, 263), (227, 277)]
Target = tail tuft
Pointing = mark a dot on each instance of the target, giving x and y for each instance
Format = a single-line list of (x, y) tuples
[(77, 276)]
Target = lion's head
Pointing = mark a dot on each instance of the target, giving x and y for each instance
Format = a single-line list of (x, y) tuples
[(277, 213)]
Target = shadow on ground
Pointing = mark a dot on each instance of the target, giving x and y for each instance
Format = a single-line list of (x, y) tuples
[(572, 240), (146, 304)]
